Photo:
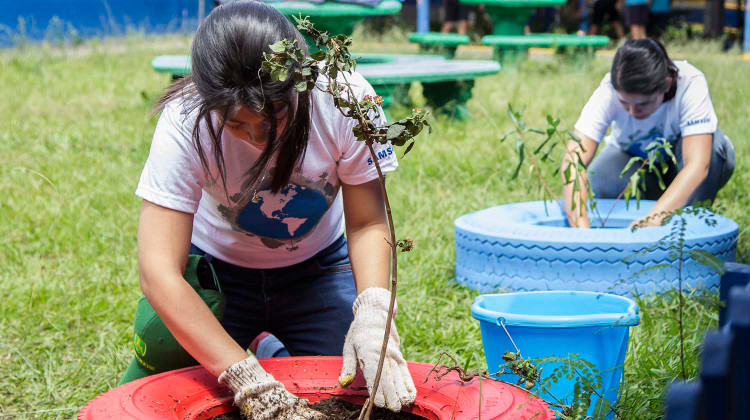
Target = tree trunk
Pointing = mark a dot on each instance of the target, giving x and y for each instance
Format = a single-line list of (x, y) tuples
[(713, 20)]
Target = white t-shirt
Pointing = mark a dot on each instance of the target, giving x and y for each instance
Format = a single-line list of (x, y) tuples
[(690, 112), (279, 230)]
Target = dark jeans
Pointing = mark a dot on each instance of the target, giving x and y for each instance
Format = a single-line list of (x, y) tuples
[(606, 182), (308, 306)]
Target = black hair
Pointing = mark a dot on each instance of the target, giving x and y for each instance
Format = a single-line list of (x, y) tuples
[(226, 57), (641, 66)]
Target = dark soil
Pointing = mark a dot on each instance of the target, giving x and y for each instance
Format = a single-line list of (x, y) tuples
[(337, 409)]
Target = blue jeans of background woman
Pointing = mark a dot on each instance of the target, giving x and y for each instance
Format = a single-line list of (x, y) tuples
[(606, 182), (308, 306)]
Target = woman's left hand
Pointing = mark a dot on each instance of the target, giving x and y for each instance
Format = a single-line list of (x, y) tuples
[(647, 221), (363, 344)]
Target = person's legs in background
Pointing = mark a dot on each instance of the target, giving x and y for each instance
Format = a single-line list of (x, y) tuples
[(608, 9), (455, 13), (636, 15)]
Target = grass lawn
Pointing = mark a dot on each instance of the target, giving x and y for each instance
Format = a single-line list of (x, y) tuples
[(75, 132)]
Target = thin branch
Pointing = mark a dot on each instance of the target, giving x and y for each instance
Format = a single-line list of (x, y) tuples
[(645, 162), (536, 169)]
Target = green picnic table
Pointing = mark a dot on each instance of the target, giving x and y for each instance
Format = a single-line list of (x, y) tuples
[(510, 43), (446, 84), (335, 18), (510, 16)]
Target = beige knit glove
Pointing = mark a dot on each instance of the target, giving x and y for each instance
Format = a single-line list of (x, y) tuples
[(363, 344), (260, 397)]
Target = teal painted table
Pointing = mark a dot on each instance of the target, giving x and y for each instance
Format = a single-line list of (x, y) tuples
[(510, 16), (446, 84), (444, 44), (335, 18), (513, 48)]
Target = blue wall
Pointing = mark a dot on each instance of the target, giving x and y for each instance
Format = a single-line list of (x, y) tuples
[(53, 19)]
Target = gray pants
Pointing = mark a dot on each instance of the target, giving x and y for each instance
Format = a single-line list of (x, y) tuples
[(606, 182)]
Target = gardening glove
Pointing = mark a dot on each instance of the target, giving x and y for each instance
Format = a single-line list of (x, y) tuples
[(260, 397), (363, 344)]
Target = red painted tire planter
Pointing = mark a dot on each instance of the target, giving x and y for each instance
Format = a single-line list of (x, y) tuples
[(193, 393)]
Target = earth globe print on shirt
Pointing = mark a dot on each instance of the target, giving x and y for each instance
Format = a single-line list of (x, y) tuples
[(290, 214)]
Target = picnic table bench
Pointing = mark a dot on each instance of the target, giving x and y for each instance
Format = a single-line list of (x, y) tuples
[(510, 48), (514, 47), (446, 84), (438, 42)]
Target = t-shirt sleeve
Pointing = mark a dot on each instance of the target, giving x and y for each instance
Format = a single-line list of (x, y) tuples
[(697, 115), (173, 176), (356, 165), (599, 112)]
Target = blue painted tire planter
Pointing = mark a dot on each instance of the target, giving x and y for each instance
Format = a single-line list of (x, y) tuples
[(521, 247)]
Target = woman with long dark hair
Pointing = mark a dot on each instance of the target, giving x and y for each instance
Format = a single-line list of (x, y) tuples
[(247, 172), (647, 97)]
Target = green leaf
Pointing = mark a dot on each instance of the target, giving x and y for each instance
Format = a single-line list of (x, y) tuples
[(573, 136), (507, 133), (709, 260), (567, 174), (520, 161), (394, 131), (278, 46), (280, 74), (408, 149), (549, 137), (301, 86), (318, 56), (514, 117), (662, 186), (654, 267), (536, 130), (630, 163), (634, 179), (549, 151)]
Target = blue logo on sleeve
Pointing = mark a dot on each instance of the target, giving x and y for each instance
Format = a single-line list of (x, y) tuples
[(381, 155), (699, 121)]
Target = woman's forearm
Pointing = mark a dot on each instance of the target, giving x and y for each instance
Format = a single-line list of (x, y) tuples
[(370, 255), (578, 216), (679, 191), (577, 152), (163, 243), (191, 322)]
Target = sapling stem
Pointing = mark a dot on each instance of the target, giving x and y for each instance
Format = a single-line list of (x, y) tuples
[(535, 165), (367, 408), (683, 222), (288, 60), (604, 222)]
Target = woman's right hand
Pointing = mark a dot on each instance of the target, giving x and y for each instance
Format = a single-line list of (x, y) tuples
[(261, 397), (581, 152)]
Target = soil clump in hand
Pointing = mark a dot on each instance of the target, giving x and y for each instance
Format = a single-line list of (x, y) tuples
[(338, 409)]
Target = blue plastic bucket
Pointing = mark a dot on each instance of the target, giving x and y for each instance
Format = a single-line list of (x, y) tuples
[(559, 323)]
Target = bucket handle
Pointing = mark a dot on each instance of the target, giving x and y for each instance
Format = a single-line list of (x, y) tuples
[(500, 321)]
